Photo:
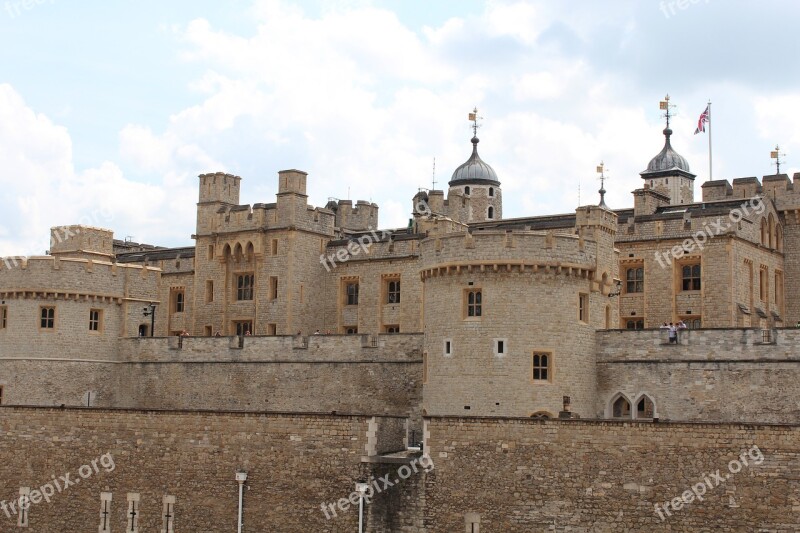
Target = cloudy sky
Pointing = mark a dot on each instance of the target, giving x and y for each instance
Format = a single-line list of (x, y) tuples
[(109, 110)]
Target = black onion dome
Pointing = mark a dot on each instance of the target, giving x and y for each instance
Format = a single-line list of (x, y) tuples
[(668, 161), (474, 170)]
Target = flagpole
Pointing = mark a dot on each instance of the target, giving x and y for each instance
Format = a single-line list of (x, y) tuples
[(710, 168)]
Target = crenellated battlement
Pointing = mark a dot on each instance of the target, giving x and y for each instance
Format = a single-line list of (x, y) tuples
[(362, 217), (507, 250), (49, 274), (783, 191)]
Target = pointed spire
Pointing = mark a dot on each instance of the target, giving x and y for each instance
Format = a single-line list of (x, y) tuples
[(601, 170)]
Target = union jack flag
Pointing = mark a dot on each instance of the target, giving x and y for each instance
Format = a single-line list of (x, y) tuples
[(701, 123)]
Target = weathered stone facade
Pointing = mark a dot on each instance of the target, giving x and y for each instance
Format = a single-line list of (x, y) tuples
[(286, 307)]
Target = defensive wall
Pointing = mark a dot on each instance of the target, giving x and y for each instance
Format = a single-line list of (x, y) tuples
[(723, 375), (507, 475), (319, 373)]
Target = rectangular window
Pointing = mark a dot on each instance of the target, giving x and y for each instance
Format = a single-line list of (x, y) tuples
[(351, 292), (448, 347), (48, 318), (500, 347), (273, 288), (634, 324), (541, 366), (210, 252), (393, 291), (763, 284), (209, 291), (583, 307), (690, 277), (243, 327), (244, 286), (274, 246), (391, 329), (3, 317), (208, 330), (634, 280), (474, 303), (95, 319), (272, 329)]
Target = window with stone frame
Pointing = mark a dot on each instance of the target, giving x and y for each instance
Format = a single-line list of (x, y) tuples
[(244, 286), (394, 328), (351, 330), (621, 408), (645, 407), (473, 301), (763, 283), (351, 293), (634, 280), (47, 317), (393, 291), (634, 323), (178, 300), (3, 317), (542, 366), (691, 277), (583, 307), (243, 327), (95, 320)]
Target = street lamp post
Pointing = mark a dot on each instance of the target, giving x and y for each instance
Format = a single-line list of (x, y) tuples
[(241, 477), (150, 311), (361, 488)]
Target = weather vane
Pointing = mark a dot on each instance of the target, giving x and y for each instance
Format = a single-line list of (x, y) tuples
[(665, 106), (776, 155), (601, 169), (473, 117)]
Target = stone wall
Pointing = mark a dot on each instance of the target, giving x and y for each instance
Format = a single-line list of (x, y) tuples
[(294, 464), (712, 375), (517, 475), (320, 373)]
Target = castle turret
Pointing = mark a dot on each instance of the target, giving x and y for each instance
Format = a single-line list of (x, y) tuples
[(668, 172), (475, 194), (217, 190)]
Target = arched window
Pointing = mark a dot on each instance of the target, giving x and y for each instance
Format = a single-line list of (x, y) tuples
[(690, 277), (490, 212), (541, 415), (621, 408), (771, 231), (645, 408), (491, 191), (764, 232), (466, 190)]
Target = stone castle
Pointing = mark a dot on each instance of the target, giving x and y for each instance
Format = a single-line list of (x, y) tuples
[(336, 346)]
